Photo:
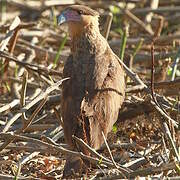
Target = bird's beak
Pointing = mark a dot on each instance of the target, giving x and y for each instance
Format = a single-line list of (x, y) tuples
[(61, 19), (68, 16)]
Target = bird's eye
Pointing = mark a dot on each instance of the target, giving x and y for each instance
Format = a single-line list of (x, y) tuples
[(80, 12)]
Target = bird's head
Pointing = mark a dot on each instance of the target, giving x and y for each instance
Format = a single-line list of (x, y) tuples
[(79, 18)]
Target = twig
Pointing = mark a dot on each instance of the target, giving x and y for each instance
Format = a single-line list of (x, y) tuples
[(157, 85), (91, 150), (175, 63), (159, 27), (107, 25), (38, 127), (95, 153), (8, 36), (146, 58), (154, 5), (49, 140), (12, 44), (37, 142), (13, 40), (145, 171), (36, 5), (112, 159), (152, 75), (161, 112), (17, 80), (4, 28), (42, 53), (52, 100), (31, 118), (58, 117), (125, 145), (42, 70), (47, 80), (164, 146), (161, 109), (138, 81), (25, 125), (135, 19), (32, 103), (24, 160), (27, 158), (10, 105), (9, 177), (23, 94), (168, 134), (54, 148), (168, 9), (163, 39), (58, 3), (135, 89)]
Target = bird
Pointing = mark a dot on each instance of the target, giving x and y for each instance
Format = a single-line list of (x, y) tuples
[(93, 96)]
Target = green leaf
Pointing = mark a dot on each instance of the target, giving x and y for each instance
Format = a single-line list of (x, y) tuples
[(114, 129), (59, 51), (123, 46), (54, 17), (138, 47), (8, 87), (177, 168), (3, 9), (169, 71), (16, 71), (1, 66), (114, 9), (119, 30), (100, 161)]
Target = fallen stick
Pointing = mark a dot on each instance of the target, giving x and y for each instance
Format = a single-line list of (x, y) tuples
[(32, 103)]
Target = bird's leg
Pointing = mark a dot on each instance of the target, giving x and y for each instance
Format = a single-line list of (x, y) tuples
[(75, 166), (82, 132)]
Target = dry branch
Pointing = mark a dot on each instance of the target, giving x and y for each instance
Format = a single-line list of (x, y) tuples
[(32, 103), (146, 171), (41, 70), (53, 148), (159, 85)]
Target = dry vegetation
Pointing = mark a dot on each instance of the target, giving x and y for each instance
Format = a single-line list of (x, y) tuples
[(145, 140)]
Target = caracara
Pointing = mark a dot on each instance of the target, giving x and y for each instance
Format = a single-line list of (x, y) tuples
[(93, 95)]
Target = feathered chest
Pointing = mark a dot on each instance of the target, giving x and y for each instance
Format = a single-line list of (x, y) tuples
[(89, 64), (83, 78)]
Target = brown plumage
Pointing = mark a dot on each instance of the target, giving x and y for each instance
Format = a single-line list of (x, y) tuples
[(91, 99)]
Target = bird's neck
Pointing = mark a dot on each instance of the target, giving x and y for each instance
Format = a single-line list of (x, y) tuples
[(83, 38)]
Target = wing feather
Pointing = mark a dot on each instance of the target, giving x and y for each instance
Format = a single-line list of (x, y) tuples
[(93, 96)]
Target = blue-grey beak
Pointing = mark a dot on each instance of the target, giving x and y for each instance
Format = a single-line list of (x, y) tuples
[(61, 19)]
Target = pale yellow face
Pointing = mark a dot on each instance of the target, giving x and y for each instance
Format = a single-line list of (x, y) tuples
[(77, 22), (77, 28)]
